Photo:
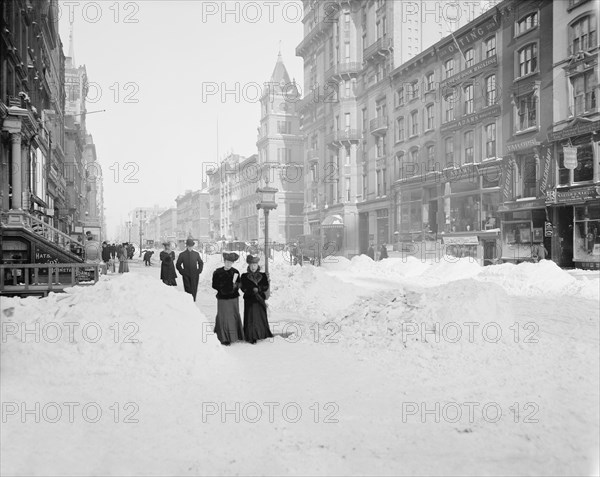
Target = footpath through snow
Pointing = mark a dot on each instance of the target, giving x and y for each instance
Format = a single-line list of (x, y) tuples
[(126, 377)]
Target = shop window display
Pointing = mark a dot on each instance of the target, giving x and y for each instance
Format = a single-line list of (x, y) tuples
[(411, 211), (521, 234), (489, 214), (586, 240), (464, 214)]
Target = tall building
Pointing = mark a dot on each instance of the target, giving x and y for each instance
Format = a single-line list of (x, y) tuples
[(527, 105), (76, 172), (349, 51), (93, 192), (280, 160), (192, 216), (168, 225), (572, 229), (32, 105), (247, 215)]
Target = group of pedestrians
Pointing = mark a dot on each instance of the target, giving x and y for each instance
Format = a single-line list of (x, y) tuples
[(121, 252), (383, 253), (227, 281)]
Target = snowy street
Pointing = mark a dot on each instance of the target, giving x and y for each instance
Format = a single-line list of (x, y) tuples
[(358, 384)]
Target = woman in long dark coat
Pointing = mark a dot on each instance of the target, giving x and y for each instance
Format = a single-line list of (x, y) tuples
[(255, 286), (167, 267), (226, 280), (123, 265)]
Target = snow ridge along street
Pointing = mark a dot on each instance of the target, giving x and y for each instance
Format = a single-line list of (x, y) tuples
[(389, 368)]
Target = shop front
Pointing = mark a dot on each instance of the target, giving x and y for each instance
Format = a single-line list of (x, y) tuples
[(576, 213), (575, 201), (458, 217), (523, 231), (470, 215)]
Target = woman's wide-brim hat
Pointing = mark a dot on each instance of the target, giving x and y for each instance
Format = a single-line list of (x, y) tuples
[(230, 256), (251, 259)]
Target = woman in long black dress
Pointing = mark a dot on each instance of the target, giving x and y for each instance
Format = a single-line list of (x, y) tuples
[(167, 267), (226, 280), (255, 286)]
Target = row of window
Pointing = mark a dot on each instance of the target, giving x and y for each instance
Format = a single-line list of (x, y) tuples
[(451, 157)]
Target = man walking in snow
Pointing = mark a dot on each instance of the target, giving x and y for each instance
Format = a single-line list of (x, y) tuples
[(383, 253), (189, 265)]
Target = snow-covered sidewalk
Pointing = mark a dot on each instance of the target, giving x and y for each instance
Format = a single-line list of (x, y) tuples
[(395, 368)]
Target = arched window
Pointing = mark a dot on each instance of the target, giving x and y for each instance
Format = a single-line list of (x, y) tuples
[(582, 34), (526, 23), (528, 59)]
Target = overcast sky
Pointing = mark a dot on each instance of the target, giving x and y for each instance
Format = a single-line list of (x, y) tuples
[(149, 62)]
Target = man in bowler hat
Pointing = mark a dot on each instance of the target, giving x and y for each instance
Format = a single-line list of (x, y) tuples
[(189, 265)]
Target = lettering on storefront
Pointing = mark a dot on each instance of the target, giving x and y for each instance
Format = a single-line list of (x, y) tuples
[(471, 37), (492, 61), (517, 146), (469, 240), (545, 171), (471, 119), (42, 256), (525, 205), (548, 229), (507, 179), (574, 131), (577, 195)]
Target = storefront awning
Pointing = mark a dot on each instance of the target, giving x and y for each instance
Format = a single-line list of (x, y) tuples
[(333, 221)]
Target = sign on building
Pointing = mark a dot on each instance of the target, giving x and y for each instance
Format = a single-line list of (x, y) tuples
[(570, 157)]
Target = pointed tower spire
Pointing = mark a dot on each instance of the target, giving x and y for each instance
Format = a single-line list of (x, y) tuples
[(280, 73), (71, 49)]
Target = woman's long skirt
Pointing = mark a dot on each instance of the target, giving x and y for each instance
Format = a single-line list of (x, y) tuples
[(168, 275), (228, 324), (123, 266), (256, 324)]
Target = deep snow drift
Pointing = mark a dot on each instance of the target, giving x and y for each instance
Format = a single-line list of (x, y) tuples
[(397, 367)]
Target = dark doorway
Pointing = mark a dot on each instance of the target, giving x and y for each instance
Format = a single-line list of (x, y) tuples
[(433, 211), (363, 232), (489, 252), (565, 236)]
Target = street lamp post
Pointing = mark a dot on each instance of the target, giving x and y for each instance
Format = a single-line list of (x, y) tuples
[(142, 215), (128, 223), (267, 203)]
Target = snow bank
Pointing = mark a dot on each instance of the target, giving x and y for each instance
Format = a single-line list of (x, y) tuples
[(309, 291), (111, 325), (541, 279)]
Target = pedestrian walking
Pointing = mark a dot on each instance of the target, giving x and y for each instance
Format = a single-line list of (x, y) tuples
[(228, 322), (106, 255), (371, 252), (255, 286), (383, 253), (190, 265), (122, 253), (167, 267)]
